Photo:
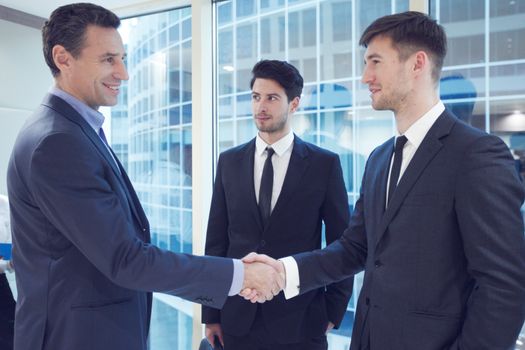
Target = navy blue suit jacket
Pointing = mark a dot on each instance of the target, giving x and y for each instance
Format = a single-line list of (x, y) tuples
[(81, 243), (445, 262), (313, 191)]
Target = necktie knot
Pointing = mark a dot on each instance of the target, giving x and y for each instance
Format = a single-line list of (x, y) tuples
[(396, 166), (270, 151), (400, 143)]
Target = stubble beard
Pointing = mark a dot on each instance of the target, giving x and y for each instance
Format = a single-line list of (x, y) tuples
[(277, 127)]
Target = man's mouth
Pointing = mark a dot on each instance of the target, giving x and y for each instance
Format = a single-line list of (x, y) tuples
[(112, 87), (374, 90)]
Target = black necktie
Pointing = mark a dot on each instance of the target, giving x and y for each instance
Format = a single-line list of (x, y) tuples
[(265, 191), (396, 167)]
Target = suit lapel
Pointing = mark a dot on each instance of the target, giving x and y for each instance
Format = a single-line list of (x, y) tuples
[(380, 180), (62, 107), (134, 201), (246, 186), (425, 153), (296, 168)]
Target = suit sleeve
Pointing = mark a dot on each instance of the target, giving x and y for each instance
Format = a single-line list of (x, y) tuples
[(69, 183), (489, 195), (342, 258), (217, 240), (335, 213)]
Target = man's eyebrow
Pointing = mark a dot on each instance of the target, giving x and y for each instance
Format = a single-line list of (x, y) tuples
[(113, 54), (373, 55)]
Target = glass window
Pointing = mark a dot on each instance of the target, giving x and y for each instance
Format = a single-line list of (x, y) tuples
[(224, 12), (157, 149)]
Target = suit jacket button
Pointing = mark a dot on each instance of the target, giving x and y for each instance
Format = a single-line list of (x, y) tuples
[(143, 230), (378, 263), (263, 243)]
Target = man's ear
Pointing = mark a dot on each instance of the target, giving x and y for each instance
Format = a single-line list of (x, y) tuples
[(421, 60), (294, 104), (61, 57)]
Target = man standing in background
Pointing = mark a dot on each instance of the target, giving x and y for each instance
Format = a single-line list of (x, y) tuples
[(272, 196)]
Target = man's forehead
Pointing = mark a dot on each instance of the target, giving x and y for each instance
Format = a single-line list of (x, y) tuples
[(105, 40)]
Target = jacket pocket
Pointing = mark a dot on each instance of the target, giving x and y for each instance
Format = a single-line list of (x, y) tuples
[(100, 304)]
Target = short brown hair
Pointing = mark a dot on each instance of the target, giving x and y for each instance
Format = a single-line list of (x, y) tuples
[(411, 31)]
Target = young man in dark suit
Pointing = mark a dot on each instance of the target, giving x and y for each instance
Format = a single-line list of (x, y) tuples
[(271, 196), (437, 228), (85, 265)]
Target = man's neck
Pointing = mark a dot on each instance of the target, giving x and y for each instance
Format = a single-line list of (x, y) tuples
[(414, 110), (273, 137)]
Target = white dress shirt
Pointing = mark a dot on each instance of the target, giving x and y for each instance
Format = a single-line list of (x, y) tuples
[(415, 135), (280, 160)]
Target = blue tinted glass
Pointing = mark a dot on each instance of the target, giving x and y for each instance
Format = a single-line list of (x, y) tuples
[(225, 12), (245, 8)]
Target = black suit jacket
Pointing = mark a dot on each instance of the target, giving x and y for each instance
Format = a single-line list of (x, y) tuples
[(80, 243), (313, 192), (445, 263)]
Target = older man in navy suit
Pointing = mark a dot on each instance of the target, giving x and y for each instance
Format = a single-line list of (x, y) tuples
[(85, 268), (437, 228)]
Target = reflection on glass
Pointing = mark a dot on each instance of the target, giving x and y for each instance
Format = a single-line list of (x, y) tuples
[(507, 79), (458, 87), (168, 327)]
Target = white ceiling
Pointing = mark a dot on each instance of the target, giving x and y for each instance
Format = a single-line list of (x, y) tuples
[(123, 8)]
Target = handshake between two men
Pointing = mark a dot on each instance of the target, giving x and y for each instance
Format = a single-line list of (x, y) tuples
[(264, 278)]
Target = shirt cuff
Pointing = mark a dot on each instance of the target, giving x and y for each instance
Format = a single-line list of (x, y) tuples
[(291, 288), (238, 277)]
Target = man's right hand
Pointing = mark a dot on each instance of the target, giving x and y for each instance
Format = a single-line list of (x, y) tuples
[(212, 330), (262, 277), (259, 294)]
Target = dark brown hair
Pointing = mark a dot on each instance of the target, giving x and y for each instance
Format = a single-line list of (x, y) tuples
[(67, 27), (283, 73), (410, 32)]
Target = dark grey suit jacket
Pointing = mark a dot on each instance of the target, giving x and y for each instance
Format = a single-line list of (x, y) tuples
[(445, 263), (81, 243)]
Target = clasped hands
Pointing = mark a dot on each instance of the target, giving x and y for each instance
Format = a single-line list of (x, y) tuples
[(264, 278)]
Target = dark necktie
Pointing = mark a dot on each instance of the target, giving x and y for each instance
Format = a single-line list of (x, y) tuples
[(265, 191), (103, 136), (396, 167)]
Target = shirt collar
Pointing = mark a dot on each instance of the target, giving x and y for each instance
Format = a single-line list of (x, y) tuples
[(279, 147), (94, 118), (417, 131)]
